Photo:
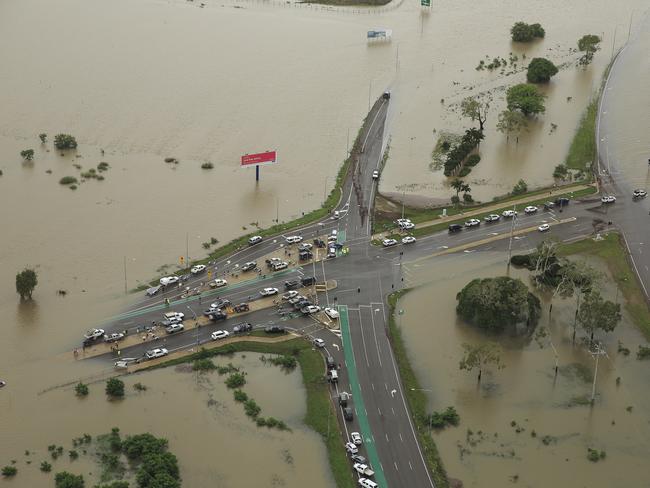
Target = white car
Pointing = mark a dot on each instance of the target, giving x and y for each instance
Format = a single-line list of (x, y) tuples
[(254, 240), (174, 315), (509, 213), (332, 313), (336, 215), (219, 334), (472, 223), (94, 334), (169, 280), (310, 309), (492, 218), (407, 225), (305, 246), (530, 209), (543, 227), (156, 353), (267, 292), (401, 222), (175, 328), (408, 240), (289, 295), (114, 337), (351, 448), (375, 174), (218, 283), (639, 193), (356, 438), (366, 483), (277, 266), (319, 342), (608, 199), (388, 242), (331, 238), (293, 239), (199, 268)]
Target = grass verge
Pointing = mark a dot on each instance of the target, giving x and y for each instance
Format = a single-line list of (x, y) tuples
[(582, 152), (320, 416), (612, 250), (415, 397)]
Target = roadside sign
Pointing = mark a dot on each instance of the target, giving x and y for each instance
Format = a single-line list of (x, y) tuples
[(258, 159)]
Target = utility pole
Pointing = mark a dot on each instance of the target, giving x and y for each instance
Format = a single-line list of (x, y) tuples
[(512, 230)]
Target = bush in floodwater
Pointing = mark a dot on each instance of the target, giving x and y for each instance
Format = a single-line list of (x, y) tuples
[(523, 32), (138, 446), (103, 166), (27, 154), (643, 352), (68, 480), (520, 188), (235, 380), (207, 165), (203, 365), (286, 362), (115, 388), (46, 467), (594, 455), (65, 141), (9, 471), (73, 455), (68, 180), (240, 396), (251, 408), (139, 387), (43, 137)]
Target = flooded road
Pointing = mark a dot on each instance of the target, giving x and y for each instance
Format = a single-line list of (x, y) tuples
[(215, 442), (555, 427)]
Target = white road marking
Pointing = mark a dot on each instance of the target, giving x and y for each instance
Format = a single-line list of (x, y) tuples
[(401, 439), (363, 339)]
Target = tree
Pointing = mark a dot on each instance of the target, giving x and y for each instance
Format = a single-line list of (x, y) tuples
[(522, 32), (511, 122), (137, 446), (115, 388), (26, 281), (43, 137), (68, 480), (597, 313), (561, 172), (474, 136), (65, 141), (27, 154), (540, 70), (479, 356), (525, 98), (520, 188), (158, 470), (475, 110), (496, 303), (588, 44), (81, 389)]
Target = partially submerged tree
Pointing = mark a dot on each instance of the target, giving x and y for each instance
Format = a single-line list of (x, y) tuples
[(523, 32), (26, 281), (525, 98), (476, 110), (27, 154), (65, 141), (460, 186), (520, 188), (43, 137), (115, 388), (512, 122), (540, 70), (479, 356), (588, 44), (597, 313)]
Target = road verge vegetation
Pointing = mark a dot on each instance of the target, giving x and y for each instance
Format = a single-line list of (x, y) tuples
[(416, 398), (320, 416)]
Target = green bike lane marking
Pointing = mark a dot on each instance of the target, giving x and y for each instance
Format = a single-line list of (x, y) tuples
[(357, 397), (194, 298)]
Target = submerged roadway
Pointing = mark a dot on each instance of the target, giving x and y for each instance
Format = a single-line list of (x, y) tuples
[(365, 277)]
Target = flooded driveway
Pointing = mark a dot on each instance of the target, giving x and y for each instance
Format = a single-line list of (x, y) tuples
[(522, 423)]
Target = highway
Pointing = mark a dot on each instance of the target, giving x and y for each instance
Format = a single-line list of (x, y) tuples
[(364, 279)]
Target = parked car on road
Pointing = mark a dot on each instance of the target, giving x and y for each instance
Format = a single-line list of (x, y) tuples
[(174, 328), (639, 194), (305, 246), (562, 201), (254, 240), (249, 266), (530, 209), (169, 280), (266, 292), (366, 483), (348, 414), (114, 337), (94, 334), (388, 242), (343, 400), (408, 240), (407, 225), (509, 213), (293, 239), (318, 342), (296, 298), (174, 315), (199, 268), (274, 329), (356, 438), (358, 459), (492, 218), (305, 255), (219, 334), (543, 227), (277, 266), (310, 309), (153, 290), (218, 314), (156, 353), (608, 199), (351, 448), (242, 327), (332, 313), (363, 469), (308, 280), (292, 284), (218, 283), (472, 223), (455, 228), (289, 295)]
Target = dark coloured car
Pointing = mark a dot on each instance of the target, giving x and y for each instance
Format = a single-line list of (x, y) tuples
[(274, 329), (242, 307), (291, 284), (221, 303), (308, 281), (343, 399), (243, 327), (302, 304), (455, 228), (218, 315), (331, 364), (562, 202), (305, 255), (348, 414)]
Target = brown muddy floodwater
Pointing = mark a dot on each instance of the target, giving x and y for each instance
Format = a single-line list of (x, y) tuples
[(215, 442), (526, 392)]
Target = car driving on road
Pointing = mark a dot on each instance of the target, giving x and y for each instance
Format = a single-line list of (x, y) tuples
[(455, 228), (274, 329), (356, 438), (174, 328), (492, 218), (219, 334), (156, 353), (169, 280), (543, 227), (218, 283), (318, 342), (254, 240), (509, 213), (199, 268), (375, 174), (292, 284), (530, 209), (267, 292), (388, 242), (608, 199), (473, 223), (408, 240), (639, 194), (331, 313), (293, 239)]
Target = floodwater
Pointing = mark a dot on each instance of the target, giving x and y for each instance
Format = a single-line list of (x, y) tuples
[(526, 392), (215, 442)]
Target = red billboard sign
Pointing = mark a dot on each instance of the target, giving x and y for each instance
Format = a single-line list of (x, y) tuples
[(268, 157)]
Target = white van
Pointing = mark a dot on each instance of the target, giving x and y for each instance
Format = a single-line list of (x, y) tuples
[(333, 375), (366, 483)]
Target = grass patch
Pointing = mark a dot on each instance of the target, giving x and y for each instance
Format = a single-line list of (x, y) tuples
[(415, 397), (582, 152), (612, 250), (320, 417)]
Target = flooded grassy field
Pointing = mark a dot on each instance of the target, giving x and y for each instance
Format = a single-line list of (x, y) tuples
[(522, 424)]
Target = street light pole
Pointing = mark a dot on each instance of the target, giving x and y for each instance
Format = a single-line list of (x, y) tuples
[(512, 230)]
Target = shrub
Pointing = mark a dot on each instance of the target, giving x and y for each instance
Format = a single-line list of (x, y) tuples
[(137, 446), (459, 152), (65, 141), (520, 188), (115, 388), (523, 260), (103, 166), (473, 160), (467, 198), (251, 408), (561, 172), (207, 165), (522, 32), (27, 154), (68, 180), (73, 455), (236, 380), (540, 70), (9, 471), (203, 365), (139, 387), (46, 467), (643, 352), (240, 396), (68, 480), (286, 362), (43, 137)]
